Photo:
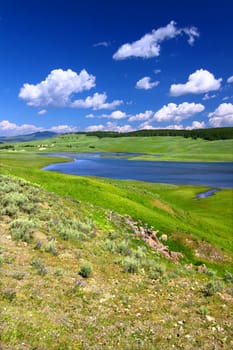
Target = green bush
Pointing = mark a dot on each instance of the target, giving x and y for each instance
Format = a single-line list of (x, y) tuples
[(9, 294), (123, 248), (109, 245), (51, 248), (39, 267), (22, 229), (212, 288), (85, 270), (130, 265), (157, 271), (228, 277)]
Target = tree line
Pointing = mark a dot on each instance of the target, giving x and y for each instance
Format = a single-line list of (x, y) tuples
[(206, 134)]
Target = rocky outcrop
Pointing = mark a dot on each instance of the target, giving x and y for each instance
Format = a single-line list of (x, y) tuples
[(150, 237)]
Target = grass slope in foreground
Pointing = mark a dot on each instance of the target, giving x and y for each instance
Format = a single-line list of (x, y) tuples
[(75, 277), (156, 148)]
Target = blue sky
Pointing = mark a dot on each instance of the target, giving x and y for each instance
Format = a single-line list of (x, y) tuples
[(69, 65)]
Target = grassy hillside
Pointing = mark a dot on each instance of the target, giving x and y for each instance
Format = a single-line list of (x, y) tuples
[(171, 209), (75, 276), (155, 148)]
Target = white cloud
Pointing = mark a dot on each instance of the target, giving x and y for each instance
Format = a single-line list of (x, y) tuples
[(57, 88), (198, 82), (222, 116), (99, 127), (114, 115), (11, 129), (117, 115), (157, 71), (208, 97), (230, 79), (146, 83), (110, 126), (196, 125), (149, 45), (102, 43), (8, 128), (141, 116), (96, 102), (42, 111), (60, 129), (176, 112), (146, 126)]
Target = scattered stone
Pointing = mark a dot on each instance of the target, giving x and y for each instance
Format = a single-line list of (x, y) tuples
[(163, 237), (202, 269), (210, 318)]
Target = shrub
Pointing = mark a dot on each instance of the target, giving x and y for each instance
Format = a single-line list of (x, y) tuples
[(51, 248), (85, 270), (228, 277), (140, 253), (112, 235), (123, 248), (9, 294), (203, 310), (39, 267), (212, 288), (9, 210), (130, 265), (109, 245), (157, 271), (19, 275), (22, 229)]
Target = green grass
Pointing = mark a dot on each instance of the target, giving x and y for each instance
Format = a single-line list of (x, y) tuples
[(197, 228), (168, 148), (127, 296)]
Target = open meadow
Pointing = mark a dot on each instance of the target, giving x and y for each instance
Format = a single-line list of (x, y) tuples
[(78, 266)]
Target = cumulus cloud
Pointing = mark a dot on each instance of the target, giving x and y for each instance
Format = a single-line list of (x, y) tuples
[(199, 82), (196, 125), (57, 88), (96, 102), (175, 112), (230, 79), (42, 111), (222, 116), (61, 129), (150, 44), (110, 126), (146, 83), (8, 128), (114, 115), (141, 116)]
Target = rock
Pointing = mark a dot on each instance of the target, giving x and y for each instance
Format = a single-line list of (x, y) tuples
[(202, 269), (163, 237), (210, 318)]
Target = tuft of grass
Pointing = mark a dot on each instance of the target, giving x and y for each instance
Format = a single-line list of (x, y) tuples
[(85, 270)]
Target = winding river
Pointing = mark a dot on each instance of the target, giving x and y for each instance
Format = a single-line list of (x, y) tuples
[(117, 166)]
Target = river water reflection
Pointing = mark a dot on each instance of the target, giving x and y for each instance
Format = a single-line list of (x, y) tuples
[(117, 166)]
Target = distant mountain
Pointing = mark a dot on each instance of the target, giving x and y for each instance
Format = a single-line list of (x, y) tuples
[(41, 135)]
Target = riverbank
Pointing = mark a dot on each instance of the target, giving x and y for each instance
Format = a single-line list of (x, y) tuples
[(118, 166), (155, 148)]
